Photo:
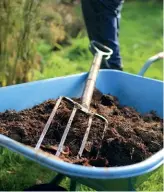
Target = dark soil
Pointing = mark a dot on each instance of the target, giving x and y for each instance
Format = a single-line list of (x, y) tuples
[(130, 137)]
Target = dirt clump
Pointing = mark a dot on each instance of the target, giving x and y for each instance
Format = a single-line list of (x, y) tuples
[(129, 138)]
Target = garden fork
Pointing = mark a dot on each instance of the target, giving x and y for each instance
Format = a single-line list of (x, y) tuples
[(101, 52)]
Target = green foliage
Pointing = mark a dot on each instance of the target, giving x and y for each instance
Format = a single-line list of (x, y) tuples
[(24, 25), (59, 22), (69, 60), (15, 167), (79, 50), (140, 38), (17, 48), (154, 181)]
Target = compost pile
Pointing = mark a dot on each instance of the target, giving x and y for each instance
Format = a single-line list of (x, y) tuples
[(130, 137)]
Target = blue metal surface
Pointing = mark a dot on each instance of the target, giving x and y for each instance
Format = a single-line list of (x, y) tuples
[(142, 93), (56, 164)]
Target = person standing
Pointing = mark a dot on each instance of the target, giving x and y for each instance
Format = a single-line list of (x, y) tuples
[(102, 20)]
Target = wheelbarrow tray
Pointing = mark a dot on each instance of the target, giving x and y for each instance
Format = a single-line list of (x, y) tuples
[(142, 93)]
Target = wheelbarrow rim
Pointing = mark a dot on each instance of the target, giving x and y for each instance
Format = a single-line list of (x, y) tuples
[(55, 164)]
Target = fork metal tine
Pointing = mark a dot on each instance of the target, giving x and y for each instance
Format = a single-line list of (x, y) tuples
[(100, 52), (85, 137), (48, 123), (105, 128), (68, 126), (66, 131), (88, 130)]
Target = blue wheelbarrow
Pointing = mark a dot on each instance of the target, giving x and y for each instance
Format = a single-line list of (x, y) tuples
[(142, 93)]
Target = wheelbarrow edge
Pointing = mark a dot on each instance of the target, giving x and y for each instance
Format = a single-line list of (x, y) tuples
[(54, 163)]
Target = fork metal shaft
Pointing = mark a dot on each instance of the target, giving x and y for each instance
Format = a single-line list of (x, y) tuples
[(91, 80)]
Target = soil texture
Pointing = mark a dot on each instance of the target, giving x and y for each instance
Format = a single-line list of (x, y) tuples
[(129, 138)]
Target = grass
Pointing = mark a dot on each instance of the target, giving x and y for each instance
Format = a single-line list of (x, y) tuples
[(140, 38)]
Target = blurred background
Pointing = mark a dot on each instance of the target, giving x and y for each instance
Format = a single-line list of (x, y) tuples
[(43, 39), (47, 38)]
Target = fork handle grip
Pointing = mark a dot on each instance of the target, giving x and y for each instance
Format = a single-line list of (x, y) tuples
[(91, 80)]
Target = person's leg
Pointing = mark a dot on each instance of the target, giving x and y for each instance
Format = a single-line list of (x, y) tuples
[(102, 22)]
